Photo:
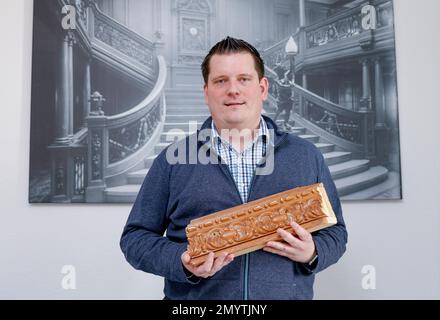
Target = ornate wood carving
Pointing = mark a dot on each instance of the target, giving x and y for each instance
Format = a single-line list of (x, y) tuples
[(81, 7), (193, 28), (193, 5), (194, 34), (96, 156), (117, 38), (248, 227), (128, 139)]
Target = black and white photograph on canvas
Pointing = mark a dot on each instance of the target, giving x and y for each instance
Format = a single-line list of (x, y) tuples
[(114, 82)]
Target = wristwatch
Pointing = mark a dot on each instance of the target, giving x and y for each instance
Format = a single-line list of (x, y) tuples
[(190, 276), (311, 262)]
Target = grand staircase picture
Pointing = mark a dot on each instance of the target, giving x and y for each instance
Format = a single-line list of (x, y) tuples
[(115, 91)]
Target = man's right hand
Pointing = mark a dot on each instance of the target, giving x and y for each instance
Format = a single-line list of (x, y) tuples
[(210, 266)]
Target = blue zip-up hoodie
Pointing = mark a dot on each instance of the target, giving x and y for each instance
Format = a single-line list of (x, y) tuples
[(174, 194)]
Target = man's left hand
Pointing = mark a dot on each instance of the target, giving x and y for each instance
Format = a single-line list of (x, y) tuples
[(299, 247)]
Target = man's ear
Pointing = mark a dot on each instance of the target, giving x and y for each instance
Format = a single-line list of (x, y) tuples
[(264, 85), (205, 92)]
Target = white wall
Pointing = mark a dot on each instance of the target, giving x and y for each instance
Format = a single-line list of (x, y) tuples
[(399, 238)]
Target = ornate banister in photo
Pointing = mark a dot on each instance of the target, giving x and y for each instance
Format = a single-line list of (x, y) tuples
[(352, 130), (117, 142)]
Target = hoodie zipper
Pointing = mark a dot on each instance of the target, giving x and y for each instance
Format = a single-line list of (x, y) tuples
[(246, 258), (225, 170)]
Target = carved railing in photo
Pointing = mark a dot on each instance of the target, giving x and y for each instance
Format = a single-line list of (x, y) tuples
[(112, 42), (348, 24), (341, 35), (344, 35), (342, 26), (69, 170), (276, 54), (133, 53), (128, 139), (118, 142), (351, 130), (113, 34)]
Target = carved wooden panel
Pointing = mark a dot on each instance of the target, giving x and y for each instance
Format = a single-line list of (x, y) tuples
[(193, 30), (248, 227)]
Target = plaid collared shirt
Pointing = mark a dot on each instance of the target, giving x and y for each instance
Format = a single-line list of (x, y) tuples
[(242, 165)]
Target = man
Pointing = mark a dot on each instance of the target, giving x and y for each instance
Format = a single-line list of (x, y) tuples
[(244, 141)]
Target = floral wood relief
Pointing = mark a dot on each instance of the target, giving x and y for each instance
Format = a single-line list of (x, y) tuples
[(248, 227)]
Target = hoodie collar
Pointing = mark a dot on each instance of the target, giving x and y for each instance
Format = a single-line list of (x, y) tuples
[(278, 137)]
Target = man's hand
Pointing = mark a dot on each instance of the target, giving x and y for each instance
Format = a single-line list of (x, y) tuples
[(300, 248), (210, 266)]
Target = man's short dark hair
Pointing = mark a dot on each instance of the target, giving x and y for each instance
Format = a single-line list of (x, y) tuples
[(232, 45)]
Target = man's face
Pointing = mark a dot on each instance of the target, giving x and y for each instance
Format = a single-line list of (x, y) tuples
[(234, 93)]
